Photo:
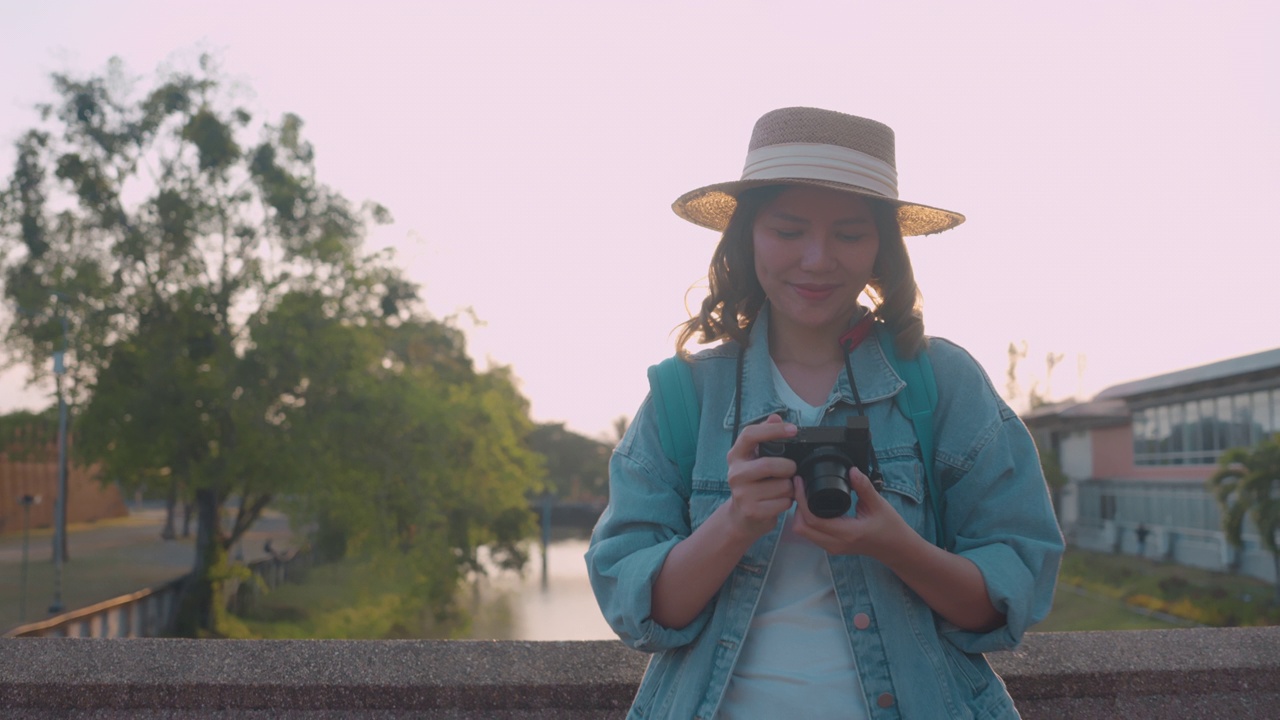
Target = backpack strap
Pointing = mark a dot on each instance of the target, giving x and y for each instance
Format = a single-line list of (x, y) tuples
[(676, 401), (917, 402)]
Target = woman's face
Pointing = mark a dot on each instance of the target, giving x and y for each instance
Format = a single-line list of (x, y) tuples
[(814, 252)]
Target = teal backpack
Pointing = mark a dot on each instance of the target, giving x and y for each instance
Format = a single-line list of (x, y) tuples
[(676, 400)]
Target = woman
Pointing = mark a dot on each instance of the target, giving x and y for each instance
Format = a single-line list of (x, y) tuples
[(752, 605)]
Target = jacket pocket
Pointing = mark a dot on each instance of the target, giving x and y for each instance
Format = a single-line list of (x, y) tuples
[(971, 670), (904, 489), (661, 671)]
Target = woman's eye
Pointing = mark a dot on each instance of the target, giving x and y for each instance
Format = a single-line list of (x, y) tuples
[(788, 234), (850, 238)]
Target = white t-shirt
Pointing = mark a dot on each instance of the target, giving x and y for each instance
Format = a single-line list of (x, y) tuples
[(796, 660)]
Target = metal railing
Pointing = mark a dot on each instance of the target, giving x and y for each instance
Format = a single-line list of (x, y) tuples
[(152, 612), (145, 613)]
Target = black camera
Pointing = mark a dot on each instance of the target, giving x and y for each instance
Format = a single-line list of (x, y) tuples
[(823, 457)]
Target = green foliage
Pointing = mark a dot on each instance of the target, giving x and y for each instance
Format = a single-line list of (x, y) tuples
[(1247, 487), (1052, 467), (577, 466), (1075, 610), (352, 599), (1192, 594), (228, 338), (25, 434)]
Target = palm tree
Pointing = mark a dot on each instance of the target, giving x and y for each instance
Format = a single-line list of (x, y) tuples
[(1247, 485)]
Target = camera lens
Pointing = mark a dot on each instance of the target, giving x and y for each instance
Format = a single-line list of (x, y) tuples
[(826, 488)]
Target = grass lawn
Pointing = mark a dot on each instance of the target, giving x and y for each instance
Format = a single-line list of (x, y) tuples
[(350, 599), (1075, 611), (1113, 584)]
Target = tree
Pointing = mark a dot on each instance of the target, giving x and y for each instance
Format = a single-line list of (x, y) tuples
[(425, 460), (1013, 388), (577, 466), (231, 341), (1247, 486), (1054, 477), (1016, 354), (620, 425)]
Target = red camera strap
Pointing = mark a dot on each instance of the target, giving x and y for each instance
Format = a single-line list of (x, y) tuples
[(854, 336)]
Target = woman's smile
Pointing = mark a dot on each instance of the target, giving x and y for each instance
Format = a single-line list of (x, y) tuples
[(815, 250), (815, 292)]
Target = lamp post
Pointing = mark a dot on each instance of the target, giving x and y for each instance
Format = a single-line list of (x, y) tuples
[(548, 504), (60, 504), (60, 508)]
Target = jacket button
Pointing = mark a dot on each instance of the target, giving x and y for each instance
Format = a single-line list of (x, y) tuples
[(862, 621), (885, 700)]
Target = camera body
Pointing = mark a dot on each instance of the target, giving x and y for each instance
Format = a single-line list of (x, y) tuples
[(823, 457)]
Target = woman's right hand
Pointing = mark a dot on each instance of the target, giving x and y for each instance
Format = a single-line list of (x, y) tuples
[(696, 568), (760, 487)]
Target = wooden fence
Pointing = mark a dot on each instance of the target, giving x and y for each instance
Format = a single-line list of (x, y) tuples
[(29, 467)]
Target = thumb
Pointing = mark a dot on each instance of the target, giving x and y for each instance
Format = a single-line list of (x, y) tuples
[(861, 485)]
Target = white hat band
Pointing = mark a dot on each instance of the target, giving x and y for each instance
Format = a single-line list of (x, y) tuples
[(816, 161)]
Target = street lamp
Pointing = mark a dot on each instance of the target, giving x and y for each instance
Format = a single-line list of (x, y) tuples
[(60, 508), (60, 504)]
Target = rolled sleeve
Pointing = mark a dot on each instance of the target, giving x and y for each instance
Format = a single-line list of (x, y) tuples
[(1002, 520), (647, 515)]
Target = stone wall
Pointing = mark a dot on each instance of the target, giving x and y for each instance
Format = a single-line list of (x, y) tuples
[(1201, 673)]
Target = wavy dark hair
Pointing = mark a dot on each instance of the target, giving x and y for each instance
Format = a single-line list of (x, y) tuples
[(736, 297)]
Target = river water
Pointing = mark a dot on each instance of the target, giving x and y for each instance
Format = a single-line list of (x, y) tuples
[(509, 606)]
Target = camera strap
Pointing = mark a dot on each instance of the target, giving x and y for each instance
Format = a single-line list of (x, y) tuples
[(917, 401), (679, 413)]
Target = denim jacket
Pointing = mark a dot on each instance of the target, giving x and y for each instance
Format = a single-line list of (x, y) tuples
[(912, 663)]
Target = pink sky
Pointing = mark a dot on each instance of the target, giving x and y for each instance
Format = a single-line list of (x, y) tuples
[(1119, 167)]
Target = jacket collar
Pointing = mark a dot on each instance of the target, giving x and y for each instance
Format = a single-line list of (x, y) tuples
[(876, 379)]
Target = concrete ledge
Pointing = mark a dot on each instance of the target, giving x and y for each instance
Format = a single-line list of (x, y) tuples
[(1211, 673), (1206, 673)]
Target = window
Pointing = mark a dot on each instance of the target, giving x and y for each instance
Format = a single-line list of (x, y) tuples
[(1242, 418), (1222, 439), (1262, 420), (1175, 435), (1107, 509), (1275, 411), (1197, 431), (1191, 423), (1209, 435)]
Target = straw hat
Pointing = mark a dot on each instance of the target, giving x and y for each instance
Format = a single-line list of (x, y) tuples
[(808, 146)]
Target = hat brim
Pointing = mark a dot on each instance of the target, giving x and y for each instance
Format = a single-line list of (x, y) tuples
[(713, 205)]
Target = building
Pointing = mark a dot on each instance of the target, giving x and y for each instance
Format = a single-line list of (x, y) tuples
[(1138, 454)]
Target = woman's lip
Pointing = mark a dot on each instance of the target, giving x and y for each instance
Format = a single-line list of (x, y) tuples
[(811, 291)]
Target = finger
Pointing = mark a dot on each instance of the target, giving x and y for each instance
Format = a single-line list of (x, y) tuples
[(770, 468), (773, 428), (808, 525), (802, 502), (767, 489), (802, 505), (861, 485)]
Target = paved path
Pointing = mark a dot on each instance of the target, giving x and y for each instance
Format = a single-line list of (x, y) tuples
[(109, 558)]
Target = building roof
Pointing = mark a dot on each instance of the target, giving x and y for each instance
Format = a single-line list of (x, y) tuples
[(1216, 371), (1078, 414)]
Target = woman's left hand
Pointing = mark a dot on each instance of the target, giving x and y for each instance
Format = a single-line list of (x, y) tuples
[(874, 529), (950, 584)]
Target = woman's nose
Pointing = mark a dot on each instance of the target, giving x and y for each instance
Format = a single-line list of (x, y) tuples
[(815, 255)]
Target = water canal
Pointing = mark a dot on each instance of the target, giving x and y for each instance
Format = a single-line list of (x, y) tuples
[(510, 606)]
